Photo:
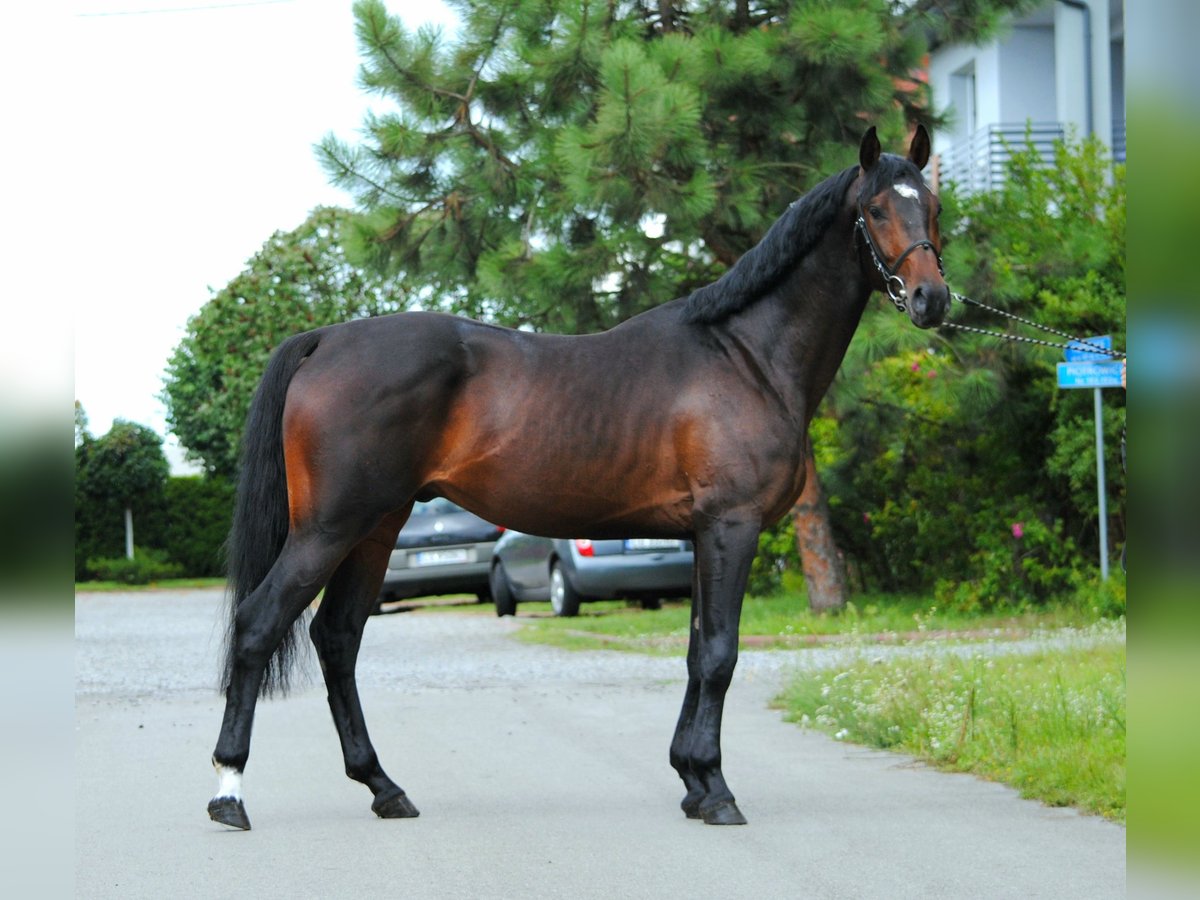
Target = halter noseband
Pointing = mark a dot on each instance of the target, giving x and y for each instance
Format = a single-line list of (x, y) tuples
[(896, 288)]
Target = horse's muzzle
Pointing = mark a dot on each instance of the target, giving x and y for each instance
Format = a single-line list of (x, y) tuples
[(928, 304)]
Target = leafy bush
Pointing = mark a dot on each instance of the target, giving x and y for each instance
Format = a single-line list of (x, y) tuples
[(146, 566), (777, 554), (1104, 597), (1014, 563)]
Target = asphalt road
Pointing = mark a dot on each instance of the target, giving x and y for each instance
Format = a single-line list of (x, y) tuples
[(539, 773)]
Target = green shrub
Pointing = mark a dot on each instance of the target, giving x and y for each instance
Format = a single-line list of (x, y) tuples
[(1014, 562), (777, 554), (146, 566), (188, 523), (1105, 598)]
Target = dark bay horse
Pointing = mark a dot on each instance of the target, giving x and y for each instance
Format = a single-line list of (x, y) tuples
[(688, 421)]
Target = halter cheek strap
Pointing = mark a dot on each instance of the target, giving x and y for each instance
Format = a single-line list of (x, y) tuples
[(896, 288)]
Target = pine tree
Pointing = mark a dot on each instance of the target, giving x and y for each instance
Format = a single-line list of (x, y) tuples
[(563, 166)]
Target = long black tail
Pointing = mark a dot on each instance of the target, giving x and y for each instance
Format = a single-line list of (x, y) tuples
[(260, 514)]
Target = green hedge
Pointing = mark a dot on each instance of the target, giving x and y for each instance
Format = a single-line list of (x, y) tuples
[(199, 511), (185, 528), (146, 566)]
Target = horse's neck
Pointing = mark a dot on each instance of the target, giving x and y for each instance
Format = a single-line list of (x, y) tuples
[(804, 327)]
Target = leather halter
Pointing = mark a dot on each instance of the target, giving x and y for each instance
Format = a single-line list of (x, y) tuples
[(896, 288)]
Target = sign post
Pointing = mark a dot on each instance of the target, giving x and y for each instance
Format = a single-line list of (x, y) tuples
[(1101, 493), (1087, 368)]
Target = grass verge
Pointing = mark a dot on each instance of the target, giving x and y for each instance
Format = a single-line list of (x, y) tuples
[(785, 621), (1050, 723), (167, 584)]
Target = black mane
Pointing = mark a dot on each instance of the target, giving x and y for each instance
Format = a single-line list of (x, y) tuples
[(794, 233)]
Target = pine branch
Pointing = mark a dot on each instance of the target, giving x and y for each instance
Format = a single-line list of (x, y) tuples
[(347, 175)]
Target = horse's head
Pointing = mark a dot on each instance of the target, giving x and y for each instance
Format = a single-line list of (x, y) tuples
[(897, 216)]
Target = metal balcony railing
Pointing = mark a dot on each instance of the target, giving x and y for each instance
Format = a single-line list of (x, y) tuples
[(979, 162)]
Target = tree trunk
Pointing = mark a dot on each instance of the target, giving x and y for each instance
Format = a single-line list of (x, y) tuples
[(824, 573), (128, 533)]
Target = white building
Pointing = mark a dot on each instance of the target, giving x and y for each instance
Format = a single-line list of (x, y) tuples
[(1060, 69)]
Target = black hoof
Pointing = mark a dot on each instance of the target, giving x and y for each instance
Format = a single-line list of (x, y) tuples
[(395, 806), (724, 813), (691, 807), (228, 811)]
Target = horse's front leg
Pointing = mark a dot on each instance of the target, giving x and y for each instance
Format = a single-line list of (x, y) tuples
[(681, 743), (724, 552), (337, 634)]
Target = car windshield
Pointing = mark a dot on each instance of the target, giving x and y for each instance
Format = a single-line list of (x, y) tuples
[(438, 506)]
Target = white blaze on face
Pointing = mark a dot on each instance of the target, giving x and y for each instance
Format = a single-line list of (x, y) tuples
[(905, 190), (230, 782)]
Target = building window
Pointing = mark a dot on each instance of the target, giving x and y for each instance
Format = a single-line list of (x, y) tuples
[(962, 100)]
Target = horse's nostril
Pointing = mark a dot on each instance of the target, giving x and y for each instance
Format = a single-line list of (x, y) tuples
[(929, 303)]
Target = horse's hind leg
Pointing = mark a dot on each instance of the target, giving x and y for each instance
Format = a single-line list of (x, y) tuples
[(336, 632), (260, 624)]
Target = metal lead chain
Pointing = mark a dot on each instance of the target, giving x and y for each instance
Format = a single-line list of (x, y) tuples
[(1075, 343)]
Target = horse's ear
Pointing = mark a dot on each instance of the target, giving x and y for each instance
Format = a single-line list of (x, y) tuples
[(868, 151), (918, 150)]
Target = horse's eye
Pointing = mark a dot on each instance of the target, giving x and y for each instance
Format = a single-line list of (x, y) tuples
[(875, 211)]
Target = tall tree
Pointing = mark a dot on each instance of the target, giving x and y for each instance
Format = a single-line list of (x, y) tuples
[(81, 425), (299, 280), (566, 165)]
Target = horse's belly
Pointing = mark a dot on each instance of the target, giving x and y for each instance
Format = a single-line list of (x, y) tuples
[(580, 479), (567, 499)]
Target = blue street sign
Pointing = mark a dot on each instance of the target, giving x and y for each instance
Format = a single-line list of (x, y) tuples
[(1080, 351), (1089, 374)]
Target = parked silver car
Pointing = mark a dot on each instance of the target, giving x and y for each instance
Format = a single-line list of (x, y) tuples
[(570, 572), (442, 549)]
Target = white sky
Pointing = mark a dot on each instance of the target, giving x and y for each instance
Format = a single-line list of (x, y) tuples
[(162, 141)]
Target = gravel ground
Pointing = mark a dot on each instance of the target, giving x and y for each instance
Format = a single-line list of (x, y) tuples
[(148, 644), (539, 772), (141, 645)]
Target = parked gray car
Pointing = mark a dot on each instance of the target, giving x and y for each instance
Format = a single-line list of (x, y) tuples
[(442, 549), (570, 572)]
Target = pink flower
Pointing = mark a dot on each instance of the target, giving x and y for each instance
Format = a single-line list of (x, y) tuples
[(916, 367), (867, 518), (1018, 531), (932, 373)]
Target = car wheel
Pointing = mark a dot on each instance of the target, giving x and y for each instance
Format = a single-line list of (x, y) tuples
[(502, 595), (652, 603), (563, 597)]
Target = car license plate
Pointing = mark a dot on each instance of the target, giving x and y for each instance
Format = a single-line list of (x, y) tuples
[(441, 557), (652, 544)]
